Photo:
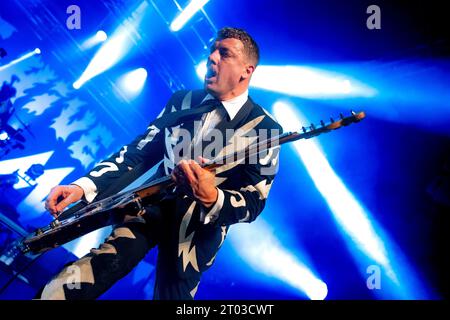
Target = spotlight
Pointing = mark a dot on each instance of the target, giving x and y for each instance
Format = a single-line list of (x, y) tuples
[(24, 57), (369, 244), (193, 6), (101, 36), (348, 212), (303, 82), (4, 136), (201, 69), (132, 82), (76, 85), (262, 250), (117, 46), (309, 82), (94, 40)]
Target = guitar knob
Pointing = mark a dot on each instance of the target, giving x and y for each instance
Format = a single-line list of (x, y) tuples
[(38, 231), (55, 223)]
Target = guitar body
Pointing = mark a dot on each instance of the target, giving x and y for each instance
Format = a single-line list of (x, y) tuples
[(55, 234), (65, 230), (97, 215)]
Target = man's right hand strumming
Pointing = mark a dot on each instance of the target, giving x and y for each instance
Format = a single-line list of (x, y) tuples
[(61, 196)]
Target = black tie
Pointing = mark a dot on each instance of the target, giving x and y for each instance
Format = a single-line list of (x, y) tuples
[(175, 118), (221, 125)]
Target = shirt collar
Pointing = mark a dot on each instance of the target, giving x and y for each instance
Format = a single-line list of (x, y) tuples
[(233, 105)]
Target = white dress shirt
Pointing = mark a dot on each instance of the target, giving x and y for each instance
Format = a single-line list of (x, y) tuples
[(210, 120)]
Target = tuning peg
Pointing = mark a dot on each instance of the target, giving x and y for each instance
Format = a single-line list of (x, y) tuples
[(331, 120), (352, 112), (322, 123), (304, 129), (312, 126), (341, 115)]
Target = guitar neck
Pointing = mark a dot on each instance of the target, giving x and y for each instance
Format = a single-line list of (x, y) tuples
[(149, 188)]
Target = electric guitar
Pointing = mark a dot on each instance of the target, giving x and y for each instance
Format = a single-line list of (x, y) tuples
[(74, 223)]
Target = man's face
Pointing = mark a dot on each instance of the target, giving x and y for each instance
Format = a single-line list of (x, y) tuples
[(227, 73)]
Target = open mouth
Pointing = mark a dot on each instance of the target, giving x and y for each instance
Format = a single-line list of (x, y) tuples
[(210, 74)]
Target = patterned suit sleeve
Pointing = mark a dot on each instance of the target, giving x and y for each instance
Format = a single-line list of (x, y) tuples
[(244, 197), (148, 147)]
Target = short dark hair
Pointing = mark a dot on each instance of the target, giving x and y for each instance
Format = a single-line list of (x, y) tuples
[(250, 46)]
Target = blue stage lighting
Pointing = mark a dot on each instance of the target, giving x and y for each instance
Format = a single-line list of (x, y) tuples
[(131, 83), (101, 35), (258, 246), (193, 6), (76, 85), (308, 82), (201, 69), (115, 48), (346, 209), (304, 82), (3, 136), (25, 56), (361, 230)]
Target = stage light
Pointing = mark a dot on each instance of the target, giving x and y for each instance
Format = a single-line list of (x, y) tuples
[(101, 36), (258, 246), (131, 83), (115, 47), (201, 69), (3, 136), (188, 12), (363, 234), (35, 171), (304, 82), (308, 82), (346, 209), (76, 85), (24, 57)]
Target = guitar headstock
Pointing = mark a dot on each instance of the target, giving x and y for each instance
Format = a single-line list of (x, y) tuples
[(345, 121), (323, 127)]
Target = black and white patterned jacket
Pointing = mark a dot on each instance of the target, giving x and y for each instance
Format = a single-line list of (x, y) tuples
[(243, 187)]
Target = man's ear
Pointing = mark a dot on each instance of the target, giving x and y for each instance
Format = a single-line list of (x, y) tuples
[(249, 69)]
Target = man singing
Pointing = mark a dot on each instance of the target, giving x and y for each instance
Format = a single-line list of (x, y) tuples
[(190, 225)]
